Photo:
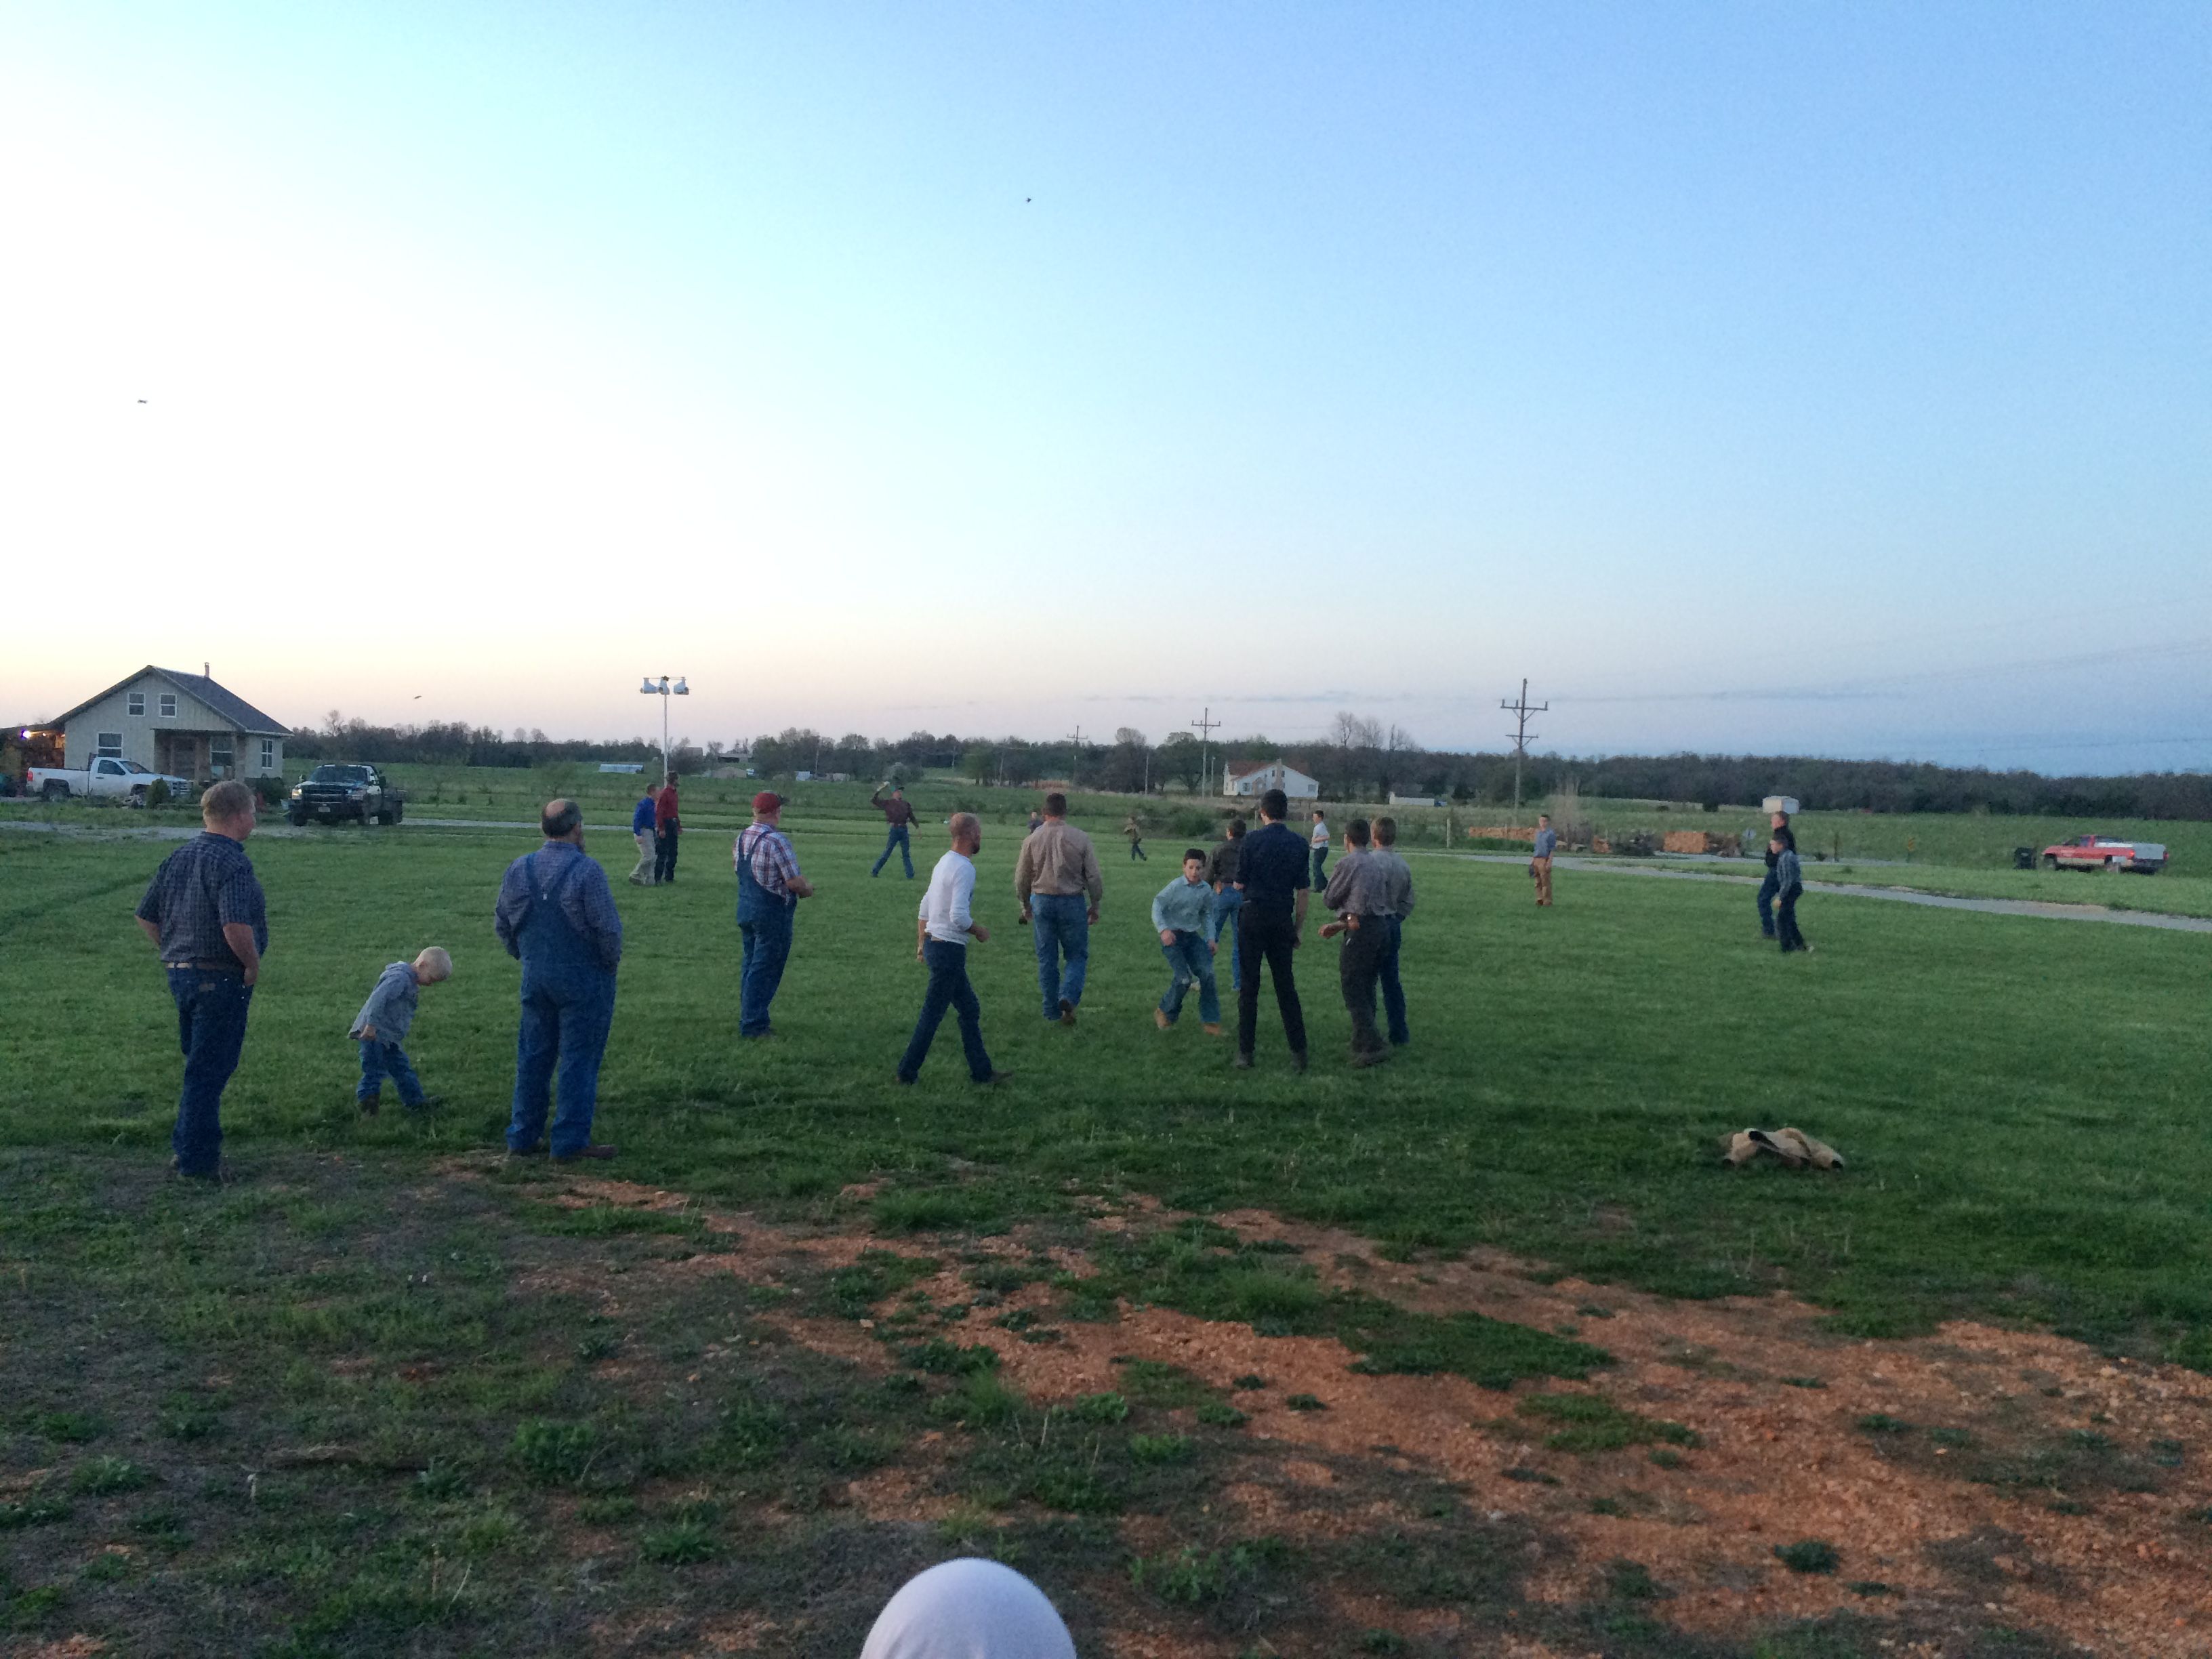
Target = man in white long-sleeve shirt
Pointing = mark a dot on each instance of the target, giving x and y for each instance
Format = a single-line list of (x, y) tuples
[(941, 932)]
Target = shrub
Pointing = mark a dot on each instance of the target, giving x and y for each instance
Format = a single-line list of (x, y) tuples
[(1808, 1555)]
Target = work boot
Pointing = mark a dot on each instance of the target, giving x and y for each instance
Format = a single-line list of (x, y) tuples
[(1066, 1011), (1212, 1031), (1244, 1060), (1160, 1018)]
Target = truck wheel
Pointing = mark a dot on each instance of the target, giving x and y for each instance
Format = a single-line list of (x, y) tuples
[(2050, 861), (55, 790), (297, 820), (399, 812), (138, 797)]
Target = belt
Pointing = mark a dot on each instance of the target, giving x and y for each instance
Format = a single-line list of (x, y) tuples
[(233, 966)]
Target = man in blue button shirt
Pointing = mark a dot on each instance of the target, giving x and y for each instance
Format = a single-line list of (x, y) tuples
[(557, 916), (641, 831), (204, 913)]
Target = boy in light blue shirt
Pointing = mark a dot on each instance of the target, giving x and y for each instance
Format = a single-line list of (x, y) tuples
[(1185, 917), (382, 1025)]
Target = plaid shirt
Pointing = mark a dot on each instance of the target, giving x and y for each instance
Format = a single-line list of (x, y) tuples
[(204, 883), (768, 850)]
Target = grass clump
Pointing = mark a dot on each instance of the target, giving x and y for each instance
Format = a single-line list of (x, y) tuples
[(680, 1544), (1159, 1448), (1808, 1555), (1108, 1407), (98, 1476), (555, 1453), (1591, 1423)]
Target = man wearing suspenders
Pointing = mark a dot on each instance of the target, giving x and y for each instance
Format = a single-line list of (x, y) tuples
[(769, 888)]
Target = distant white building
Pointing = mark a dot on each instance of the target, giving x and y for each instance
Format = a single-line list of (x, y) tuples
[(1258, 777), (185, 725), (1419, 800)]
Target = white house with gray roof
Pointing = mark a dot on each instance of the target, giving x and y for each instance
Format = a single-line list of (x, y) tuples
[(185, 725)]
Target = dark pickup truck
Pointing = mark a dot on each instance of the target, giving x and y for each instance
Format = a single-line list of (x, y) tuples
[(345, 790)]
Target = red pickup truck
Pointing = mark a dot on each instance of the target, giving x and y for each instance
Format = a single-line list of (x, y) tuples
[(2144, 858)]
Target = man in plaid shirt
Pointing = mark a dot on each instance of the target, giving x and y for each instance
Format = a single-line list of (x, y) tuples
[(769, 888)]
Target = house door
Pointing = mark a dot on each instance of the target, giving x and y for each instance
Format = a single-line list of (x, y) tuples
[(176, 753)]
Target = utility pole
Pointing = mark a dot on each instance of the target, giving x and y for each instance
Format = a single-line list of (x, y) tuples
[(1074, 753), (1520, 710), (1205, 723)]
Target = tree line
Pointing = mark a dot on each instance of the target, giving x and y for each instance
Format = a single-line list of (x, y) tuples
[(1357, 759)]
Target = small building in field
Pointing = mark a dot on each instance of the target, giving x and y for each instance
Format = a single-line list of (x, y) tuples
[(184, 725), (1258, 777)]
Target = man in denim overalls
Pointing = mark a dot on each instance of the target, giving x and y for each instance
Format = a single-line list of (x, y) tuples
[(769, 888), (557, 915)]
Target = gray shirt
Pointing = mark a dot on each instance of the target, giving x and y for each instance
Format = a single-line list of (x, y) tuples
[(1360, 886), (1398, 885), (391, 1005), (1547, 838)]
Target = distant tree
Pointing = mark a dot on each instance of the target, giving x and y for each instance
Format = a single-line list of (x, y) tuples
[(1183, 758)]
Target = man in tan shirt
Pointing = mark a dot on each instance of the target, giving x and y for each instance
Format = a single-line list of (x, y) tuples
[(1058, 881)]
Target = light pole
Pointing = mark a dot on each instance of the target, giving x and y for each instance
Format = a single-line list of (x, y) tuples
[(664, 690)]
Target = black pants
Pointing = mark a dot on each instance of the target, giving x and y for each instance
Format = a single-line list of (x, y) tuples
[(664, 854), (1266, 936), (1767, 890), (1357, 969), (1785, 920)]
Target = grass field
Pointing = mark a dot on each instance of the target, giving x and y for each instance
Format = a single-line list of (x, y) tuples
[(341, 1406)]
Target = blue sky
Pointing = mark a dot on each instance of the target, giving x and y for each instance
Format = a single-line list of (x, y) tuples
[(1750, 378)]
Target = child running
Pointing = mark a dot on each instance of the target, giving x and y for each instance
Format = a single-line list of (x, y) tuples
[(1184, 914), (382, 1025)]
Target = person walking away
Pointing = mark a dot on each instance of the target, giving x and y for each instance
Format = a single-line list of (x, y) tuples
[(1135, 832), (1229, 898), (1790, 885), (770, 887), (1780, 829), (1319, 840), (205, 914), (667, 829), (1036, 821), (1274, 875), (1400, 892), (382, 1025), (1058, 881), (898, 818), (1539, 867), (1359, 891), (556, 915), (642, 830), (942, 929), (1183, 915)]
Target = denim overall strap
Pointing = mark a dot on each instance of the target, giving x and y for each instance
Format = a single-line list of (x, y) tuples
[(549, 939)]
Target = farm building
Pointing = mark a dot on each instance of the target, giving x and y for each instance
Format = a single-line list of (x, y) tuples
[(1258, 777), (185, 725)]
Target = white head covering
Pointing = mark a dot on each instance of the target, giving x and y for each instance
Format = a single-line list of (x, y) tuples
[(969, 1609)]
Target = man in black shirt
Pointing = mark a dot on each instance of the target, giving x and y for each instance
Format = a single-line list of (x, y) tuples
[(1273, 874)]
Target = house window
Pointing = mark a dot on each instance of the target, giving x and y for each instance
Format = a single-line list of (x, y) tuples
[(110, 745), (136, 702), (219, 755), (269, 753), (168, 705)]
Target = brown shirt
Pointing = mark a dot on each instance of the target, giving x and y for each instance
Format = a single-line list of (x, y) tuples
[(1057, 859)]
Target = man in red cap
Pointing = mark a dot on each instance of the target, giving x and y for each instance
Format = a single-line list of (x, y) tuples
[(769, 888)]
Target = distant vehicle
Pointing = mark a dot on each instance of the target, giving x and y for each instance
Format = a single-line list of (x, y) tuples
[(107, 776), (2104, 852), (341, 790)]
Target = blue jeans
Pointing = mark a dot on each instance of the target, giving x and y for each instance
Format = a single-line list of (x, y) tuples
[(1394, 993), (1192, 958), (379, 1060), (898, 839), (1062, 924), (211, 1008), (1229, 907), (565, 1017), (1320, 861), (767, 947), (1767, 891), (948, 988)]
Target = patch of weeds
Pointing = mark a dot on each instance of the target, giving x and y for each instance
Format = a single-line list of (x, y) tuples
[(949, 1358), (844, 1447), (1002, 1277), (595, 1345), (609, 1510), (1159, 1448), (1090, 1301), (981, 1401), (1632, 1581), (1665, 1457), (1951, 1439), (555, 1453), (1591, 1423), (32, 1512), (97, 1476), (1531, 1477), (1803, 1382), (162, 1527), (852, 1292), (1220, 1414), (940, 1209), (185, 1423), (1154, 1382), (1883, 1423), (1594, 1310), (1606, 1506), (106, 1568), (72, 1428), (1382, 1641), (2166, 1454), (681, 1544), (1868, 1587), (1099, 1408), (30, 1607), (1019, 1319), (606, 1220), (1190, 1577), (487, 1530), (1305, 1402), (1452, 1564), (1808, 1555), (1249, 1380), (439, 1482)]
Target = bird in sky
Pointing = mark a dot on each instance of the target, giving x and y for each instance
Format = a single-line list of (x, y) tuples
[(142, 400)]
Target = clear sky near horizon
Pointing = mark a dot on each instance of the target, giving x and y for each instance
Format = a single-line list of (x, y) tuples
[(1751, 378)]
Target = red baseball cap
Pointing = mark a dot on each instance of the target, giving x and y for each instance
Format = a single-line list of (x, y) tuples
[(767, 801)]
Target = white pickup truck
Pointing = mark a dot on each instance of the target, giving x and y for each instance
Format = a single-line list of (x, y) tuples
[(121, 779)]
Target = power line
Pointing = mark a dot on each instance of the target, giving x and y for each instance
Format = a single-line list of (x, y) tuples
[(1205, 723), (1520, 710)]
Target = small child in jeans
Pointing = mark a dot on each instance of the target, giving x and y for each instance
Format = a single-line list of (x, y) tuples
[(381, 1026), (1184, 916)]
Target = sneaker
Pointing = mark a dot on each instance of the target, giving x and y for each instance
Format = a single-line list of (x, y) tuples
[(995, 1078), (597, 1151), (1066, 1011), (1212, 1031), (1298, 1061), (369, 1105), (1368, 1057), (1243, 1061), (1160, 1018)]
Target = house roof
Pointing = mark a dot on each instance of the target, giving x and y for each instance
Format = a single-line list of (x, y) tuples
[(225, 702), (1245, 769)]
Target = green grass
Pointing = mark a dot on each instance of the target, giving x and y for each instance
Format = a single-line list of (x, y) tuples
[(500, 1368)]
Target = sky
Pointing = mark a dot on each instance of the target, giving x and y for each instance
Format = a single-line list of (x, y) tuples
[(1750, 378)]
